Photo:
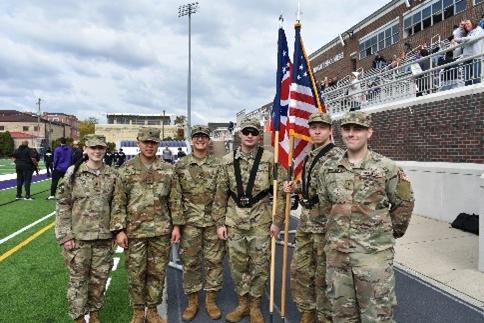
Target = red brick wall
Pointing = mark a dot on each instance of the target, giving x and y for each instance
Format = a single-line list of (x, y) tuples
[(444, 131), (344, 66)]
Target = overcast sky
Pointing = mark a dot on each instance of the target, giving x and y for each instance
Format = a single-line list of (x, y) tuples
[(94, 57)]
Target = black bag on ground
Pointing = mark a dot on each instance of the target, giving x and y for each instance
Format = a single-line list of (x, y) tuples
[(467, 222)]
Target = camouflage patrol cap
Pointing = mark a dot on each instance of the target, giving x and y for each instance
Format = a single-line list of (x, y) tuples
[(320, 117), (357, 117), (93, 140), (199, 129), (250, 123), (148, 134)]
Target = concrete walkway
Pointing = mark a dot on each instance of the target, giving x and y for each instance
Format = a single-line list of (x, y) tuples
[(442, 256)]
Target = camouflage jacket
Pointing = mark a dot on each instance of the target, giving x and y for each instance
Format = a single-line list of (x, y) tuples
[(140, 204), (226, 212), (314, 219), (369, 204), (84, 207), (194, 184)]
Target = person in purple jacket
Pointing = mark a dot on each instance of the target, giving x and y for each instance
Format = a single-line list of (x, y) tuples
[(62, 161)]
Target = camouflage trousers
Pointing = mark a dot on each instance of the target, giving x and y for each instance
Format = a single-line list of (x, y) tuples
[(89, 264), (146, 263), (361, 286), (308, 275), (199, 243), (249, 254)]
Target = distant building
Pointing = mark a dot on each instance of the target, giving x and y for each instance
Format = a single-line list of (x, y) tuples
[(40, 132), (125, 126), (69, 119)]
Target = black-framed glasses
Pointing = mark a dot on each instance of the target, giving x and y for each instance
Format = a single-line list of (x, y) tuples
[(250, 131)]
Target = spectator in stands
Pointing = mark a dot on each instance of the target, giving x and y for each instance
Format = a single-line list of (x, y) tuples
[(423, 81), (379, 62), (458, 32), (48, 159), (481, 23), (332, 81), (167, 155), (354, 92), (62, 161), (448, 75), (25, 164), (394, 62), (471, 46)]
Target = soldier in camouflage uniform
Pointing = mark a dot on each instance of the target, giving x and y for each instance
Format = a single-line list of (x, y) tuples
[(82, 228), (308, 265), (242, 213), (195, 184), (141, 221), (370, 201)]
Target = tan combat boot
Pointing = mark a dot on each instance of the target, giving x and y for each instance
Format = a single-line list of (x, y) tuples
[(241, 311), (80, 319), (94, 317), (192, 307), (138, 315), (211, 305), (308, 317), (152, 315), (255, 313)]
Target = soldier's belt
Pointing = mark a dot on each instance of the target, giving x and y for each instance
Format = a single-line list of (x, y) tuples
[(246, 202), (309, 203)]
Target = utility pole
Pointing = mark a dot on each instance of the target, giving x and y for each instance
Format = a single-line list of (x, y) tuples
[(163, 127), (38, 119), (188, 10)]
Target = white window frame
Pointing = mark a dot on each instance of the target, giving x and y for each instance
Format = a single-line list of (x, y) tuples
[(388, 25)]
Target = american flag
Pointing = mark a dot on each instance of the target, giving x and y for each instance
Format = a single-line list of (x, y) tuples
[(303, 101), (281, 100)]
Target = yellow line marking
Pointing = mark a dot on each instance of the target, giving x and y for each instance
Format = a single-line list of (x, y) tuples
[(25, 242)]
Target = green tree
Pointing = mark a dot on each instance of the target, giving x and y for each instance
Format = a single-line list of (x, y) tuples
[(87, 126), (180, 119), (111, 146), (6, 144)]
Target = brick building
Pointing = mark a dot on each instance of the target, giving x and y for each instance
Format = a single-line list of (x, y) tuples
[(69, 119), (40, 132), (390, 30)]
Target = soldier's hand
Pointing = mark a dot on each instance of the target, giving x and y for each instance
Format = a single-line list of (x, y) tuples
[(289, 187), (175, 234), (274, 230), (222, 233), (70, 244), (122, 240)]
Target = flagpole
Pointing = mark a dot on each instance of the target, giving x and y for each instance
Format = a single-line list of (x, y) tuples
[(273, 240), (274, 199), (286, 233)]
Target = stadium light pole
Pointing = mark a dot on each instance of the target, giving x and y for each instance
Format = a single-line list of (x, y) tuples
[(188, 10)]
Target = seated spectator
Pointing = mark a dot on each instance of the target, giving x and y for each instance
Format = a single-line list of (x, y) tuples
[(379, 62), (481, 23), (471, 46), (423, 82), (458, 32), (449, 75)]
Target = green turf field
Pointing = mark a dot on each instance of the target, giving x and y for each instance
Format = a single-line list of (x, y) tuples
[(33, 279), (7, 166)]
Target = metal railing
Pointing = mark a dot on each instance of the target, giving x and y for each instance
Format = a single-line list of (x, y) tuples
[(407, 81)]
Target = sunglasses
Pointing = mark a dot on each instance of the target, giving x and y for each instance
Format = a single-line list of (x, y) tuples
[(250, 131), (200, 136)]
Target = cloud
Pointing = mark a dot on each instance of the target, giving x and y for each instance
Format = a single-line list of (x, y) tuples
[(90, 58)]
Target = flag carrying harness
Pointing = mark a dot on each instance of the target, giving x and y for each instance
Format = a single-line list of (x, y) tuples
[(307, 201), (245, 199)]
